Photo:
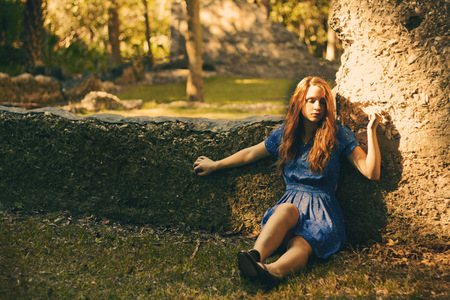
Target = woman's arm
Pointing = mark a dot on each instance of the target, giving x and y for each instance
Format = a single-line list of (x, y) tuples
[(204, 165), (368, 164)]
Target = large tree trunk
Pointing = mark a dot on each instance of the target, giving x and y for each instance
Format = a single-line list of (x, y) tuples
[(114, 32), (194, 45), (33, 33), (396, 58), (148, 61)]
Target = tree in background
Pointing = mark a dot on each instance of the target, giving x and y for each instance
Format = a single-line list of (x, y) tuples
[(114, 33), (194, 44), (33, 23), (148, 60), (332, 42), (332, 39)]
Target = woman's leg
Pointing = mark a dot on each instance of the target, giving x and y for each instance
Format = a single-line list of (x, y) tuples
[(294, 259), (279, 224)]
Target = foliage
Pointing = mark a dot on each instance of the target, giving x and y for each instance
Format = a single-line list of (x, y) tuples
[(59, 256), (10, 60), (74, 20), (10, 21), (307, 19), (78, 57), (88, 26), (77, 36), (11, 13)]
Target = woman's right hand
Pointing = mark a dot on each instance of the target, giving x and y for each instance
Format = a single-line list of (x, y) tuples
[(374, 120), (204, 166)]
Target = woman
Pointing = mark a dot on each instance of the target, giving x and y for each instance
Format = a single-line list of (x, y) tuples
[(309, 145)]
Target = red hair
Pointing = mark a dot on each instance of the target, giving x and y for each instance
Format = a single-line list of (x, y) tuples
[(324, 138)]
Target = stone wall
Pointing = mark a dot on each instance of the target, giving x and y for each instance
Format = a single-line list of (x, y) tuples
[(238, 39), (134, 169), (397, 58), (140, 170)]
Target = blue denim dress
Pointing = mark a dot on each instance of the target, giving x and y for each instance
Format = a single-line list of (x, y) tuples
[(321, 221)]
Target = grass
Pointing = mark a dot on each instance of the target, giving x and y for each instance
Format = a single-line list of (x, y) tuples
[(218, 90), (225, 98), (58, 256)]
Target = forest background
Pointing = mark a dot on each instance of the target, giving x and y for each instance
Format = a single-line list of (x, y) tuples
[(95, 36)]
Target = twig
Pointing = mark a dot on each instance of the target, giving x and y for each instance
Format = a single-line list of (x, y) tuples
[(196, 249)]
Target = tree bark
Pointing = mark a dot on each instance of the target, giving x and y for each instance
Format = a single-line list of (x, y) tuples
[(114, 33), (33, 33), (148, 60), (194, 49)]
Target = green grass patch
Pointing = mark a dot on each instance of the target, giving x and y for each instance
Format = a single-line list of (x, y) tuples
[(225, 98), (218, 90), (57, 256)]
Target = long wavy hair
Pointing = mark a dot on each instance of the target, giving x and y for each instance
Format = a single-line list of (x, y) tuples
[(324, 138)]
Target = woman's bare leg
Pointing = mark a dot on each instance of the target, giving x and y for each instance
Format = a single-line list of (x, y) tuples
[(279, 224), (294, 259)]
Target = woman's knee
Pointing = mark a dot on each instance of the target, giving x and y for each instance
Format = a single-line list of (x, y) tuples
[(288, 211)]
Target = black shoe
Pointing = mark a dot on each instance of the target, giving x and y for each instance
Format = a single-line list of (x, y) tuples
[(266, 277), (250, 267), (246, 264)]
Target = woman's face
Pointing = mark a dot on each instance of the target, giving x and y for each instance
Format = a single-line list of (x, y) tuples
[(315, 105)]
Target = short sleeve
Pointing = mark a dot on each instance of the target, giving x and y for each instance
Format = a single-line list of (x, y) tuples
[(274, 140), (347, 141)]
